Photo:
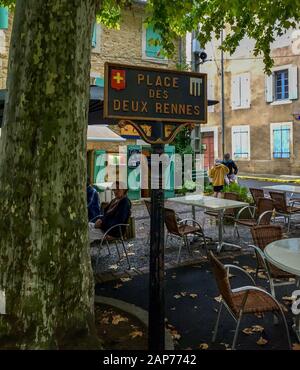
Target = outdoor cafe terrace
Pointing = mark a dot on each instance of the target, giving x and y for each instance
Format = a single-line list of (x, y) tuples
[(194, 284)]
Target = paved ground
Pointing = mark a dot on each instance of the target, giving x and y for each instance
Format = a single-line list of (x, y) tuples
[(139, 247)]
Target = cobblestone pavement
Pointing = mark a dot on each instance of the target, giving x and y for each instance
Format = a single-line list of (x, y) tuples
[(139, 248)]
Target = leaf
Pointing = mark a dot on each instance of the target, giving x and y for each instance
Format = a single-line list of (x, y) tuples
[(125, 279), (192, 295), (173, 308), (177, 296), (203, 346), (257, 328), (247, 331), (183, 294), (218, 299), (289, 299), (116, 319), (262, 341), (136, 334), (113, 267)]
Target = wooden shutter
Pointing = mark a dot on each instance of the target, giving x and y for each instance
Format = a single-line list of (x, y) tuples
[(293, 82), (94, 38), (236, 92), (152, 50), (3, 18), (269, 88), (245, 90)]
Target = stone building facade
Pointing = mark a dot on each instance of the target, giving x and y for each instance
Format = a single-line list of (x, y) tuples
[(262, 127)]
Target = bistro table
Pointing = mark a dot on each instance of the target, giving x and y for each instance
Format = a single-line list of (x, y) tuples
[(292, 189), (285, 254), (213, 204)]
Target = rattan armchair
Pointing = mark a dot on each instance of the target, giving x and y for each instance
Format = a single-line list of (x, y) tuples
[(256, 194), (260, 215), (182, 230), (262, 236), (282, 208), (244, 300)]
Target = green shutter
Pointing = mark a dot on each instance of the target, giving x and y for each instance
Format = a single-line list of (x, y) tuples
[(3, 18), (152, 50), (100, 168), (94, 38), (100, 81), (170, 175), (133, 173)]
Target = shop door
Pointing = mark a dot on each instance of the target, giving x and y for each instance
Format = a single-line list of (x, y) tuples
[(208, 149)]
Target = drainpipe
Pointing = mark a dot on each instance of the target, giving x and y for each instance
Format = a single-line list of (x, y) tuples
[(222, 98)]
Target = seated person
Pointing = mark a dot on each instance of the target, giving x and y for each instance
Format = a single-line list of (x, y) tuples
[(117, 212), (93, 202)]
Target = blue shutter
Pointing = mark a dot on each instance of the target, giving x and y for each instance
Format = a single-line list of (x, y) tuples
[(277, 143), (3, 18), (100, 81), (152, 50), (94, 38), (285, 143)]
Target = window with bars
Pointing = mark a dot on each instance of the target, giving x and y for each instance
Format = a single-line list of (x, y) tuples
[(282, 84), (240, 142), (281, 141)]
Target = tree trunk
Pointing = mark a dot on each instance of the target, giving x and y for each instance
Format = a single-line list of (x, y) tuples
[(45, 267)]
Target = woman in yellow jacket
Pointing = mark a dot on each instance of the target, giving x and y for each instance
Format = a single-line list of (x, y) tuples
[(217, 174)]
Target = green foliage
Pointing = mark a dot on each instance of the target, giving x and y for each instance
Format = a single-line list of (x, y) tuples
[(242, 191), (182, 142)]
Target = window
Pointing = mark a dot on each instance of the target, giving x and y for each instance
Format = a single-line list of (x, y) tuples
[(281, 139), (151, 46), (240, 142), (282, 85), (240, 91)]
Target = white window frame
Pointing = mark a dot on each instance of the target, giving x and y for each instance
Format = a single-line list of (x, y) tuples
[(272, 127), (270, 85), (240, 77), (240, 127), (144, 56)]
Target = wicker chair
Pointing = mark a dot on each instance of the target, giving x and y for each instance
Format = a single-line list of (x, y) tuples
[(262, 236), (244, 300), (260, 215), (282, 208), (182, 230), (256, 194)]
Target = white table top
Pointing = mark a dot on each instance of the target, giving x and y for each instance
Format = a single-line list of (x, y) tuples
[(284, 188), (285, 254), (204, 201)]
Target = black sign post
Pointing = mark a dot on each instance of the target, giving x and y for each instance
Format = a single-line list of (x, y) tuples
[(153, 97)]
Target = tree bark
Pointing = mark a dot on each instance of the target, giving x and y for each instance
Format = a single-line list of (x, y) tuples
[(45, 266)]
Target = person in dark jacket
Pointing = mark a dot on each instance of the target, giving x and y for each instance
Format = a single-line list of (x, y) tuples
[(93, 202), (233, 170), (117, 212)]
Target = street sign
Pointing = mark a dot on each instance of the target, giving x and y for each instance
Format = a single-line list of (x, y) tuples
[(152, 94)]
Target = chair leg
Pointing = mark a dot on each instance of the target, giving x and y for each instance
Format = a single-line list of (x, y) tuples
[(124, 248), (187, 244), (116, 244), (272, 289), (286, 328), (237, 330), (215, 332), (107, 246)]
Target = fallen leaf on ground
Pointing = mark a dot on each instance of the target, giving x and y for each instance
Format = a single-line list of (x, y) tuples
[(289, 299), (262, 275), (262, 341), (116, 319), (177, 296), (248, 269), (192, 295), (203, 346), (183, 294), (247, 331), (218, 299), (258, 328), (113, 267), (131, 254), (136, 334), (125, 279), (173, 308)]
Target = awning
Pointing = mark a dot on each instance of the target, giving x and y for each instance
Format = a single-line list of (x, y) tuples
[(102, 133)]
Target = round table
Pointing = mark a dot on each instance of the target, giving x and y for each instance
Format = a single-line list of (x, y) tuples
[(285, 254)]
